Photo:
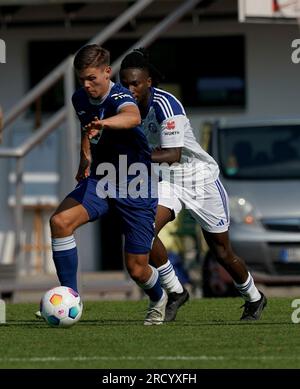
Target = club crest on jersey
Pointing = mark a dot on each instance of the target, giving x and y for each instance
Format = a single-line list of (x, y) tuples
[(101, 113), (152, 127), (170, 125)]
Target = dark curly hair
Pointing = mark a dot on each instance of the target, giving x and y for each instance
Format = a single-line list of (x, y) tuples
[(139, 58)]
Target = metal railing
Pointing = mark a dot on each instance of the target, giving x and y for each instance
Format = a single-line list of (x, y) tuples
[(63, 67), (67, 112)]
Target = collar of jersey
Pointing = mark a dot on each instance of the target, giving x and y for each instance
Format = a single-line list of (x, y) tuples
[(100, 101), (149, 101)]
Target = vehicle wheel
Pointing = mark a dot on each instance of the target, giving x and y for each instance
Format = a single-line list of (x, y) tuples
[(216, 282)]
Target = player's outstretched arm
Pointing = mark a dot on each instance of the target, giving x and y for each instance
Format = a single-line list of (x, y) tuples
[(127, 118)]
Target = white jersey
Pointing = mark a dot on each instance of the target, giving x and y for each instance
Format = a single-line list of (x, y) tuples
[(166, 125), (193, 183)]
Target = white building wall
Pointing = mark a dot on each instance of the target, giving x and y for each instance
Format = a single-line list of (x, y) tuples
[(13, 74), (272, 80)]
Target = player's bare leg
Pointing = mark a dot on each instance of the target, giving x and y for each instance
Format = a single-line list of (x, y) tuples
[(219, 244), (67, 218), (147, 278)]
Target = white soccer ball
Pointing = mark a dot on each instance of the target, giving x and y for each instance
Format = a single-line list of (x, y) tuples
[(61, 307)]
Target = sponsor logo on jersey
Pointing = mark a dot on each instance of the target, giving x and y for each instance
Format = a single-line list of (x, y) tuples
[(170, 125), (117, 96), (81, 113), (170, 133)]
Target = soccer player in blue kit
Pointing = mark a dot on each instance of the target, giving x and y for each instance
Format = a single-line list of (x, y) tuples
[(110, 121), (193, 182)]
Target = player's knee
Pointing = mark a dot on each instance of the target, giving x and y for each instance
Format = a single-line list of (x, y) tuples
[(137, 273), (59, 223)]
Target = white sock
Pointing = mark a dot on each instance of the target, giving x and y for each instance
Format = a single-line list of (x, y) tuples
[(152, 280), (248, 290), (168, 278), (153, 288)]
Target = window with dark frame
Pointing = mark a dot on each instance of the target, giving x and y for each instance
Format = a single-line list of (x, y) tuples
[(204, 72)]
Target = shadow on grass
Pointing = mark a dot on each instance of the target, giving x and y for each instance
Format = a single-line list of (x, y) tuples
[(122, 322), (42, 324), (231, 323)]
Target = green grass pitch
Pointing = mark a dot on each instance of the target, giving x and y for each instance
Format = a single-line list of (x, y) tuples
[(110, 335)]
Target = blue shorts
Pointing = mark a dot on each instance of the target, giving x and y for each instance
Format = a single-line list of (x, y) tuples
[(137, 216)]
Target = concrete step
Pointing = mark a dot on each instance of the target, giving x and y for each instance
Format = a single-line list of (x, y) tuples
[(109, 285)]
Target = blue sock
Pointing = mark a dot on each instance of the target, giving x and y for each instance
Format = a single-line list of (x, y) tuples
[(66, 260), (152, 287)]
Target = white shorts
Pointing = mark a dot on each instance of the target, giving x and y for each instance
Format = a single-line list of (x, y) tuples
[(208, 205)]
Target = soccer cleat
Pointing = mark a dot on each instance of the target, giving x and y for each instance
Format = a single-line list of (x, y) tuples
[(156, 311), (175, 301), (253, 311)]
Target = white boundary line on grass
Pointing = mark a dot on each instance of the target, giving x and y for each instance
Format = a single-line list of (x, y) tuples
[(137, 358)]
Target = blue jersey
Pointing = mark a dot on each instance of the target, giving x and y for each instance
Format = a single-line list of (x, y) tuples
[(111, 143), (136, 214)]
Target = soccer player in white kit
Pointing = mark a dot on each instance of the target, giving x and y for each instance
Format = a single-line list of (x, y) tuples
[(190, 179)]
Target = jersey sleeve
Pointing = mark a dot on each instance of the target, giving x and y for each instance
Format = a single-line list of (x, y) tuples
[(172, 119), (172, 131), (81, 110), (121, 99)]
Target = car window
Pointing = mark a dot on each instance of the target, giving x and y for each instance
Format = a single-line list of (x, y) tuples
[(265, 152)]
